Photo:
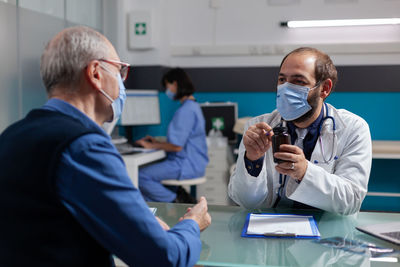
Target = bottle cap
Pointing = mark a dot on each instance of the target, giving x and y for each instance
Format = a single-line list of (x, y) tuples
[(280, 129)]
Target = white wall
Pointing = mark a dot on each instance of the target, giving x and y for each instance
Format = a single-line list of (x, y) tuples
[(159, 10), (25, 28), (9, 90), (247, 32)]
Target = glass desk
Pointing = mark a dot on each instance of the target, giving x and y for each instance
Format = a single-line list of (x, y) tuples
[(223, 245)]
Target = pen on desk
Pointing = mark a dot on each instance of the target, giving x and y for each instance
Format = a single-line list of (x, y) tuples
[(277, 234)]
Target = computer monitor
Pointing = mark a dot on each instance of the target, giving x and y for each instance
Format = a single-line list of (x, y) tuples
[(142, 107), (222, 116)]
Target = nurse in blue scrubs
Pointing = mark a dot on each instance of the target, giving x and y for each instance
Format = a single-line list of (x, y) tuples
[(186, 145)]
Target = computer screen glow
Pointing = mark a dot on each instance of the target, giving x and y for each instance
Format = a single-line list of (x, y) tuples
[(142, 107)]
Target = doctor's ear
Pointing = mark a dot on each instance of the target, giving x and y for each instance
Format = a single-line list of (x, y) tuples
[(326, 88), (93, 74)]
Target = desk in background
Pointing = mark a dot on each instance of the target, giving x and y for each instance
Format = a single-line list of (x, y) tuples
[(223, 245), (385, 149), (134, 161)]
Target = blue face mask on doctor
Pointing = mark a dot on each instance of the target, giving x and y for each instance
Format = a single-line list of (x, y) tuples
[(291, 100), (117, 104)]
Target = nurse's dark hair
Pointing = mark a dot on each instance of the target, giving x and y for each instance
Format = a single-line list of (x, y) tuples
[(324, 68), (185, 85)]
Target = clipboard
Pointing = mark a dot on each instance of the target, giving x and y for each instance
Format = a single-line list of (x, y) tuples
[(272, 225)]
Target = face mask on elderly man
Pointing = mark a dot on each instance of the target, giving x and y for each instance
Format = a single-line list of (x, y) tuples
[(117, 104)]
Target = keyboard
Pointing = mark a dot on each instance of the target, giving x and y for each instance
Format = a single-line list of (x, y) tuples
[(126, 149)]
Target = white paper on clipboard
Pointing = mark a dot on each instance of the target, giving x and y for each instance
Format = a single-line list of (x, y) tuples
[(297, 225)]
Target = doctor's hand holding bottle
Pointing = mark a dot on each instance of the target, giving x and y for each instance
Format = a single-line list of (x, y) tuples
[(291, 160), (260, 137), (257, 140)]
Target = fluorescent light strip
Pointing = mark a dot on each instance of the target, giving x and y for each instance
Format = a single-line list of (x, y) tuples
[(340, 22)]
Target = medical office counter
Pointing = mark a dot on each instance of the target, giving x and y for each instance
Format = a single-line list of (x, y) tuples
[(223, 245)]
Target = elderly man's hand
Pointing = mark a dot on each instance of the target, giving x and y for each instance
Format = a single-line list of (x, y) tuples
[(199, 213), (163, 224), (257, 140), (295, 164)]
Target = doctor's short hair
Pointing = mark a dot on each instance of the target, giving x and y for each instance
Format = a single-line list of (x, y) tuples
[(324, 67), (185, 85), (68, 53)]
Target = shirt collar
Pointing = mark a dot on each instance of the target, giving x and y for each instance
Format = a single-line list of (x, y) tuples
[(316, 123), (312, 128), (66, 108)]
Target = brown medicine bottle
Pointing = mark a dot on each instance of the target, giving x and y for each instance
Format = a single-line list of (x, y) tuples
[(281, 136)]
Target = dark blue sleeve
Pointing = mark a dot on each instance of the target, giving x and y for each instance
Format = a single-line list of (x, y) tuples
[(94, 186), (253, 167)]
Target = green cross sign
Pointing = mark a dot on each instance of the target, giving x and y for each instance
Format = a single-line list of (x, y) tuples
[(140, 28), (218, 123)]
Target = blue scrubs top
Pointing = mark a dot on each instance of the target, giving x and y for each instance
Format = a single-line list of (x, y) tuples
[(187, 129), (93, 184)]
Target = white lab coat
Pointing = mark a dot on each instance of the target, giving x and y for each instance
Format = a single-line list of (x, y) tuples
[(339, 186)]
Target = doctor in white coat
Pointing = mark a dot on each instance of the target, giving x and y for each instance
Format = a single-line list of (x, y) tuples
[(327, 166)]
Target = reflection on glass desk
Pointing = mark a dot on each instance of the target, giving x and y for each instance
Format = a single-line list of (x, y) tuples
[(223, 245)]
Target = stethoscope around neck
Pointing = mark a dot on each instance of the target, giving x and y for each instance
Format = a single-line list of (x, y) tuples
[(334, 140), (282, 178)]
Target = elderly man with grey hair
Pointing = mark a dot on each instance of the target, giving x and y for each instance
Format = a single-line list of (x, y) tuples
[(65, 195)]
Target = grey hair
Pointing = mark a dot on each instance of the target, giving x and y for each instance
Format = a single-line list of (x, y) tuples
[(66, 55)]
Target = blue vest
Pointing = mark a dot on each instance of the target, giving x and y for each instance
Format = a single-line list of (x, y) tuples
[(35, 227)]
